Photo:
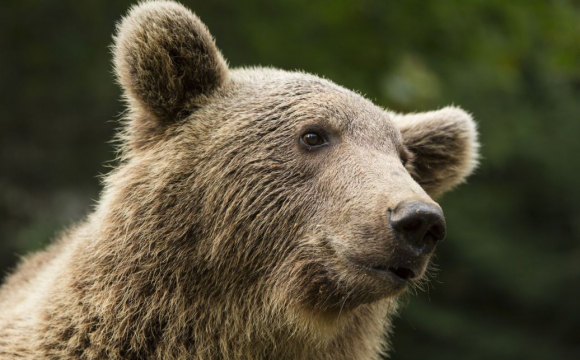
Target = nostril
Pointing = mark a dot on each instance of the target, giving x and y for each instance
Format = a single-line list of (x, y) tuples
[(436, 232), (413, 225)]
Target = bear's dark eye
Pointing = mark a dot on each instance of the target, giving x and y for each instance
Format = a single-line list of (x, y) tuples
[(312, 139), (404, 158)]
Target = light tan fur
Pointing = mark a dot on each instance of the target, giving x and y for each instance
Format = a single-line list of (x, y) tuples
[(219, 236)]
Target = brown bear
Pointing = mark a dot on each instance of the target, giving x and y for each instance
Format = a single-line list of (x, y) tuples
[(255, 214)]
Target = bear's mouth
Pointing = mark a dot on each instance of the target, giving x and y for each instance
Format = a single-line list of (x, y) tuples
[(400, 272)]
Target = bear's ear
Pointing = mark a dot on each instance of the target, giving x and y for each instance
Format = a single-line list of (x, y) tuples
[(444, 147), (165, 59)]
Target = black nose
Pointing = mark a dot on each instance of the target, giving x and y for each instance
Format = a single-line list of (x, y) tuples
[(420, 224)]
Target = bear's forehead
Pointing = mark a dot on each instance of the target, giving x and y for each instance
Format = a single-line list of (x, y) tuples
[(299, 97)]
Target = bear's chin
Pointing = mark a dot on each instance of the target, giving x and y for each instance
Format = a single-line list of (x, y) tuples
[(331, 297), (364, 302)]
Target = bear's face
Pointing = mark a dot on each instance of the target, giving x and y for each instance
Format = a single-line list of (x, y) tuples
[(287, 180)]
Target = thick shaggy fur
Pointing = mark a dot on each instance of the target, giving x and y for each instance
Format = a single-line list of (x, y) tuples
[(220, 235)]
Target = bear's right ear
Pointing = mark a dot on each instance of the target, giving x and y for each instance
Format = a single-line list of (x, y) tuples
[(165, 59)]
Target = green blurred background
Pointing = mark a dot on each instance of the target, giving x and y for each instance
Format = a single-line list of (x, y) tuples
[(509, 285)]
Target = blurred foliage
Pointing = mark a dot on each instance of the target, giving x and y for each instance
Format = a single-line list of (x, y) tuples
[(509, 285)]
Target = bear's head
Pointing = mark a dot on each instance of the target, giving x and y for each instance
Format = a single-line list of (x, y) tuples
[(279, 188)]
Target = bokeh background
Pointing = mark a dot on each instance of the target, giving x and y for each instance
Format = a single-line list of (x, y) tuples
[(509, 285)]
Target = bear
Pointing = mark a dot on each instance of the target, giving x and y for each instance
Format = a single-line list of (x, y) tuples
[(255, 213)]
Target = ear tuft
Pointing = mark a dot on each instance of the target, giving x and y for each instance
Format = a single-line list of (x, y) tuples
[(444, 144), (165, 59)]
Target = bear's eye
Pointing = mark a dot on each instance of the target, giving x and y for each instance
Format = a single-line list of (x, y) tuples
[(312, 139), (404, 158)]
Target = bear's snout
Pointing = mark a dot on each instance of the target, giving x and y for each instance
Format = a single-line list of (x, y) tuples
[(391, 259), (418, 224)]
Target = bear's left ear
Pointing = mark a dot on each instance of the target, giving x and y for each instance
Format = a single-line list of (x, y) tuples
[(444, 147), (166, 62)]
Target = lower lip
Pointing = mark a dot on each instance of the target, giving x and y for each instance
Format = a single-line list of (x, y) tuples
[(389, 274), (384, 275)]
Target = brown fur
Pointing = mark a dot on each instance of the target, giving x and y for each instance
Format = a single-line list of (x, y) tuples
[(220, 236)]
